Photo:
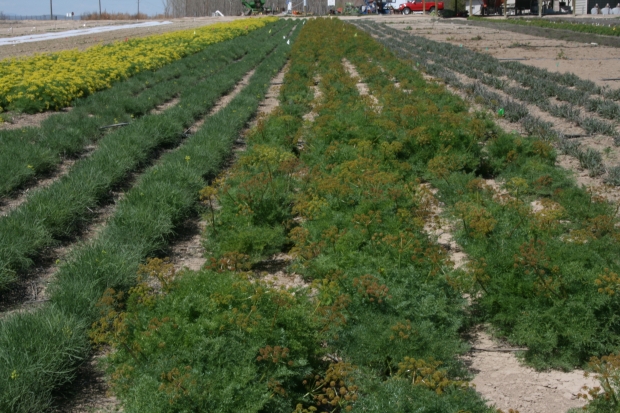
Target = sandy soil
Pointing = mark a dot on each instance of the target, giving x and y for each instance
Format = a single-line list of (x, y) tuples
[(21, 28), (505, 382), (590, 62)]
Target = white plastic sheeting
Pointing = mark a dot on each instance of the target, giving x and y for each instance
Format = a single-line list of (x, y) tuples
[(78, 32)]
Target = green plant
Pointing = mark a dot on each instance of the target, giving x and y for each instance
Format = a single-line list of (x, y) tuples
[(141, 226), (606, 397), (59, 211), (561, 55)]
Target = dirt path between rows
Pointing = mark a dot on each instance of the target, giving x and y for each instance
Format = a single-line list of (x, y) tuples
[(587, 61), (187, 251), (505, 382)]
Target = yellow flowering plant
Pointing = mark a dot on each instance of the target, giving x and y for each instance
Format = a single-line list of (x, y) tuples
[(54, 80)]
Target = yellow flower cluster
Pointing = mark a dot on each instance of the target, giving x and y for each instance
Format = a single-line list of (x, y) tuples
[(54, 80)]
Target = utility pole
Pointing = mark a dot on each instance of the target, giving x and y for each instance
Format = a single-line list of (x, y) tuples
[(138, 16), (51, 12), (99, 9)]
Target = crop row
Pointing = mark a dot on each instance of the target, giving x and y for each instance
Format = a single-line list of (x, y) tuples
[(378, 329), (53, 81), (536, 85), (58, 211), (33, 151), (514, 111), (542, 250), (42, 349), (600, 27)]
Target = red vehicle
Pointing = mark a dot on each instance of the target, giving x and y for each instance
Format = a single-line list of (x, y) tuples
[(416, 5)]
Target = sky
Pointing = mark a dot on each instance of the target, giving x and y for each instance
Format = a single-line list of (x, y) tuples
[(61, 7)]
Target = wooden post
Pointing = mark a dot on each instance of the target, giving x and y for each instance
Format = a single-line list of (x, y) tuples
[(540, 8), (471, 9), (99, 9), (423, 6), (51, 12), (506, 8)]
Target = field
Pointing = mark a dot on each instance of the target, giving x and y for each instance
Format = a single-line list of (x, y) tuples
[(312, 215)]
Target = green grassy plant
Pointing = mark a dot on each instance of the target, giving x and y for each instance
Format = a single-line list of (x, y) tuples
[(145, 220), (351, 208), (29, 152), (56, 212)]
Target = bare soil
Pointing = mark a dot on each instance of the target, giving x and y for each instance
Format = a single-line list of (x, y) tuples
[(12, 120), (587, 61), (165, 106), (271, 102), (508, 384)]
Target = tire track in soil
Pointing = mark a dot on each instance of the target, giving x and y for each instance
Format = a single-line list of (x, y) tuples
[(498, 375)]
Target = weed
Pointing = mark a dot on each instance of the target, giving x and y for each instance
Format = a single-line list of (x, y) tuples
[(613, 176), (561, 55)]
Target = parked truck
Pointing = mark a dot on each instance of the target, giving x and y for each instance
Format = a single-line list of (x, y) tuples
[(411, 6)]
